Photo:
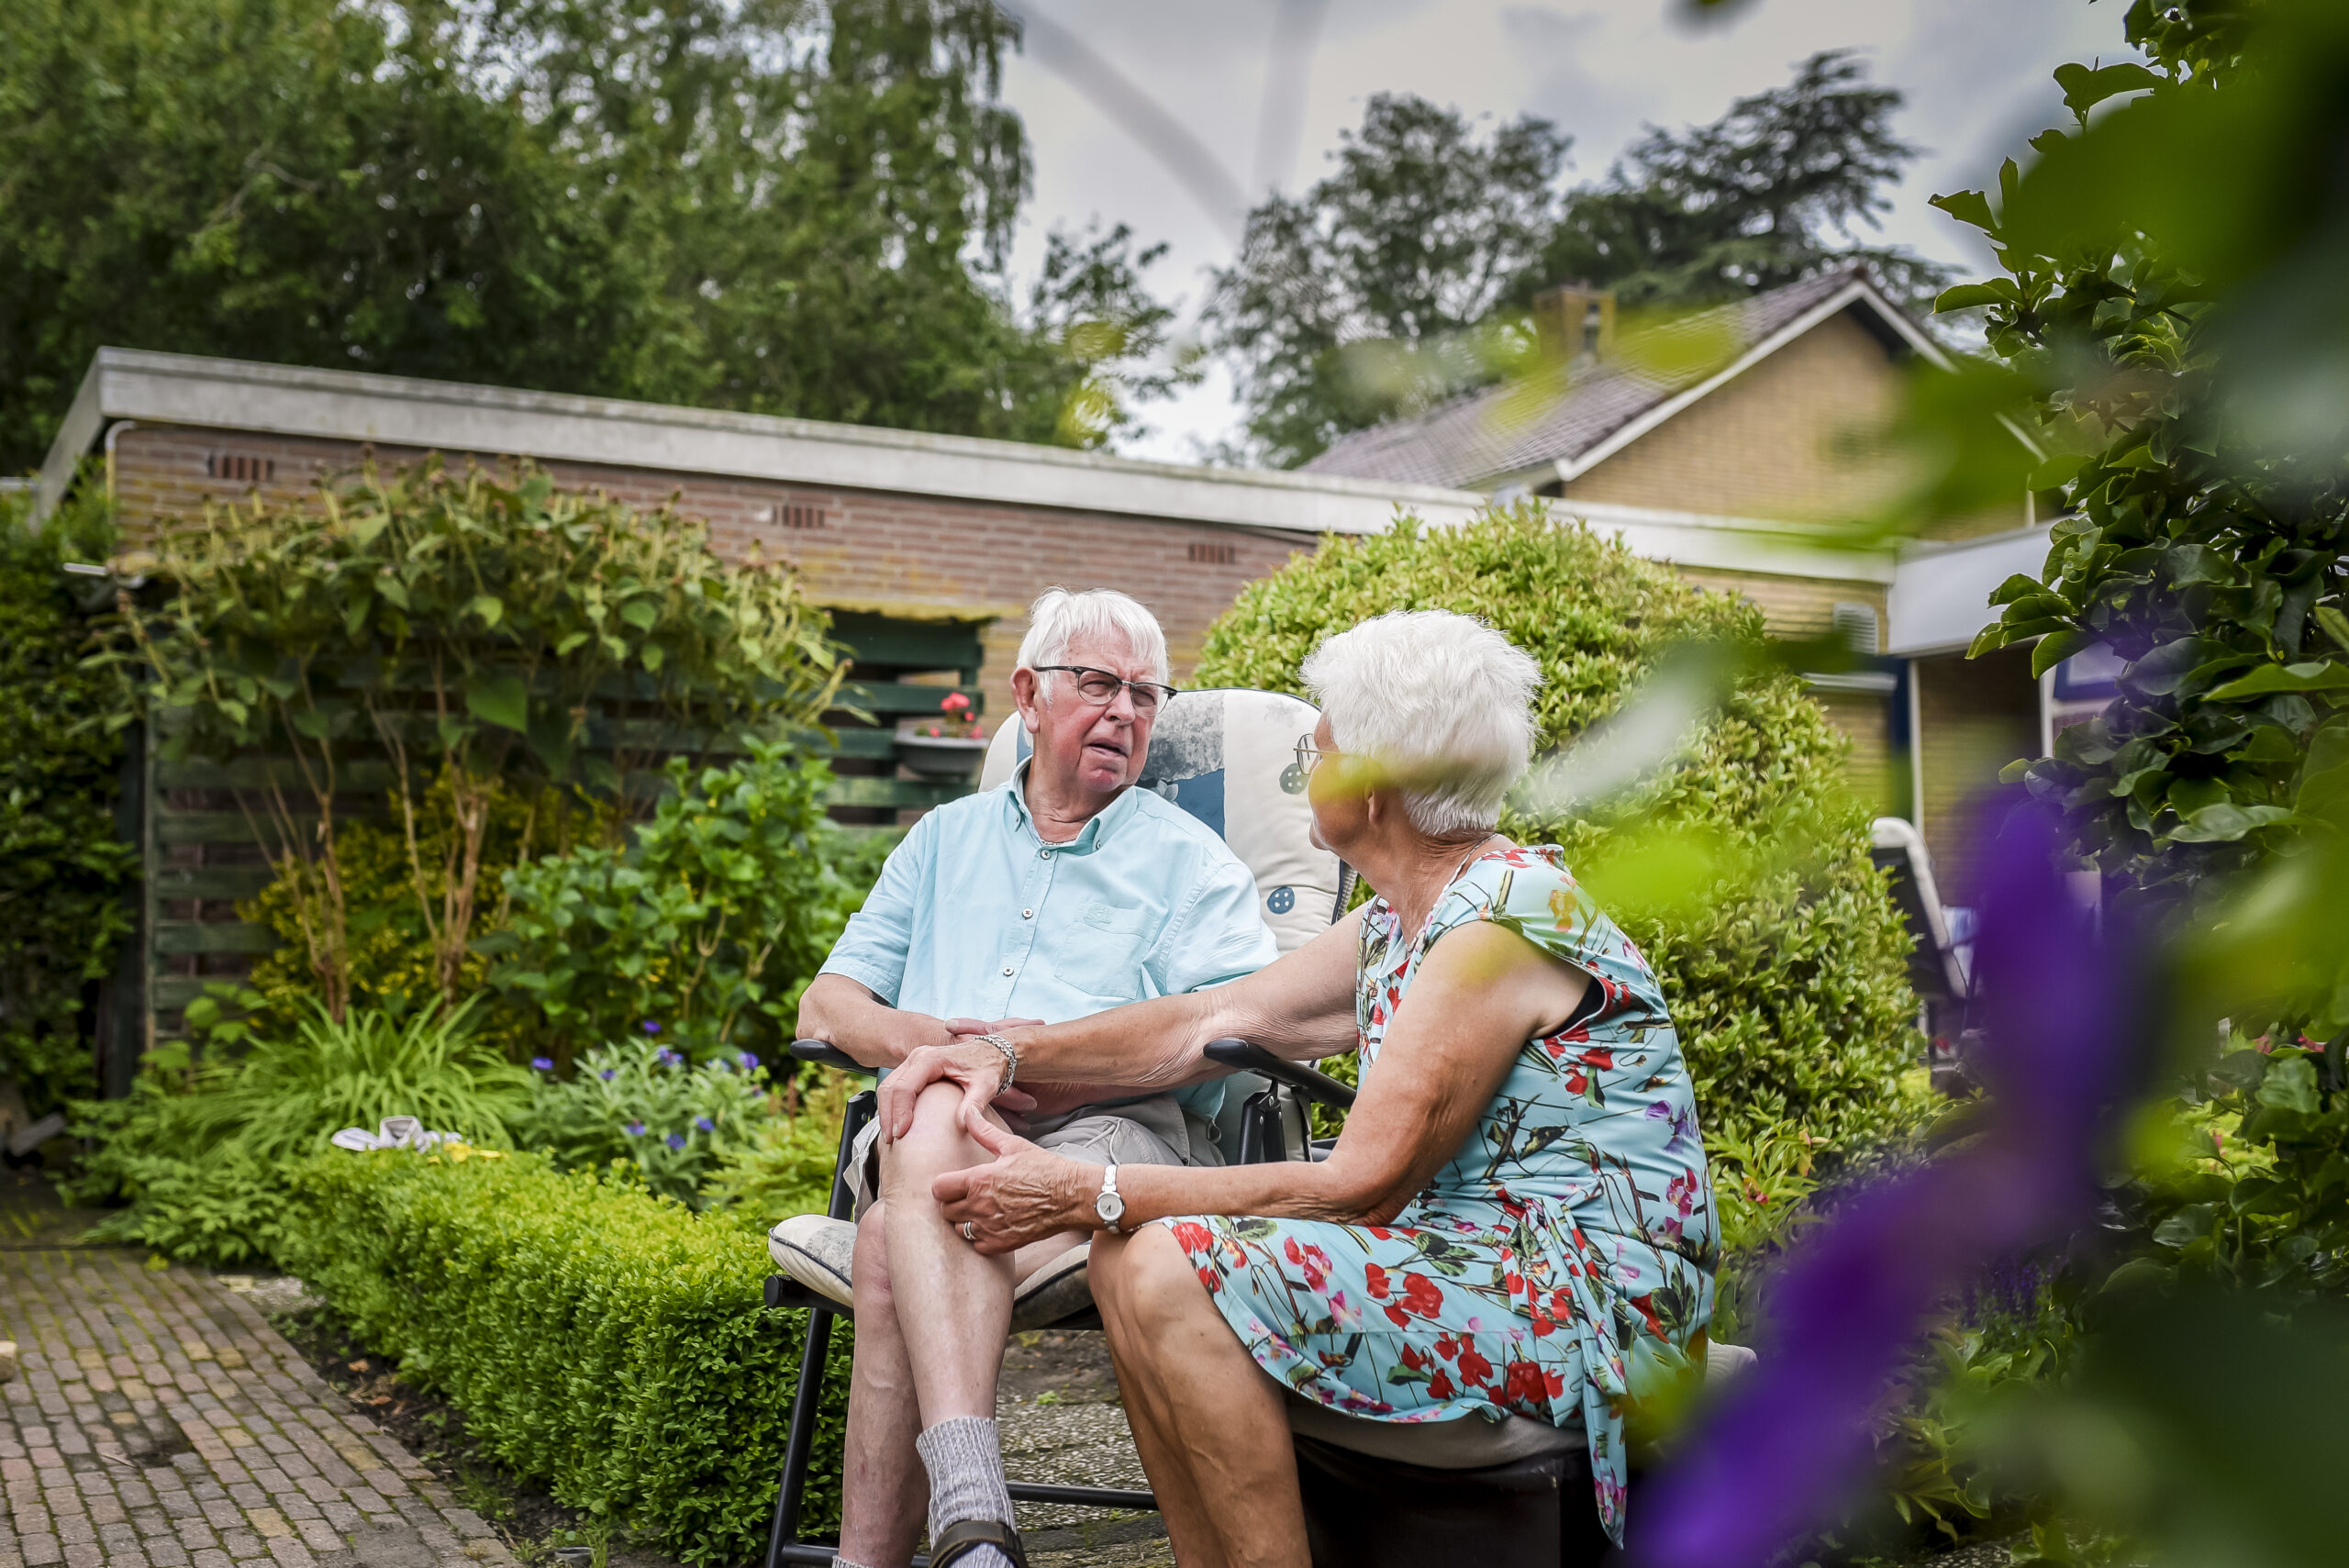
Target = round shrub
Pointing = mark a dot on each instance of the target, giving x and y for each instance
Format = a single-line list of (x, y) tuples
[(1742, 871)]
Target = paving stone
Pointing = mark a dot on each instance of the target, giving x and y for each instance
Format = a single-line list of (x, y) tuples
[(273, 1470)]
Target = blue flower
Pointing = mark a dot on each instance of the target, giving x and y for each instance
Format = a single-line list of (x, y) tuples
[(652, 1027), (749, 1061), (544, 1064), (609, 1073), (636, 1130), (676, 1140), (704, 1123)]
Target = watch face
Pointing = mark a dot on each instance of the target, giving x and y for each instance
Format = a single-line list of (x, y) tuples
[(1110, 1207)]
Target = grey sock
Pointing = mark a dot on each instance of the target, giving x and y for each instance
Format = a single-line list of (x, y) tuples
[(844, 1562), (964, 1457)]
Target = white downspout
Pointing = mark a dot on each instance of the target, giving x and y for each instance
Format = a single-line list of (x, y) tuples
[(114, 432)]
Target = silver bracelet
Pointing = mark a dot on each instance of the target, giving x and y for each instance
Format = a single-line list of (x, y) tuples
[(1010, 1057)]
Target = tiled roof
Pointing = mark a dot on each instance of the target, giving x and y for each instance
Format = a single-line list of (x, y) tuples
[(1488, 435)]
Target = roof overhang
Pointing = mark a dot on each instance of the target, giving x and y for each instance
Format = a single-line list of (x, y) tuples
[(1708, 541), (449, 416), (1941, 591)]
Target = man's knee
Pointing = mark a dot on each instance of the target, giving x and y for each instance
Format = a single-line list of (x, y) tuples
[(935, 1143)]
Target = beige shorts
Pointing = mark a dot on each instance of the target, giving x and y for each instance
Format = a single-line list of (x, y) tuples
[(1143, 1133)]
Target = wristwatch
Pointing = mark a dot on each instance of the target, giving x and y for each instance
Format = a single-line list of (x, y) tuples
[(1109, 1205)]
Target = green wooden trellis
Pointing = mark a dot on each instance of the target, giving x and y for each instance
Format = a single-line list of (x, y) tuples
[(199, 856)]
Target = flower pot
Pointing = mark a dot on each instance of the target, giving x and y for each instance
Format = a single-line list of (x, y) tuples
[(949, 759)]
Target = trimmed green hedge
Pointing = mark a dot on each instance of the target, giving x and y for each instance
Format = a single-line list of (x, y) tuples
[(613, 1346)]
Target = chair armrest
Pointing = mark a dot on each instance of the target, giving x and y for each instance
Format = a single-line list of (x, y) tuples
[(1319, 1087), (828, 1055)]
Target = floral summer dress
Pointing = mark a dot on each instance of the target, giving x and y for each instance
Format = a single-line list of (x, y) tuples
[(1560, 1264)]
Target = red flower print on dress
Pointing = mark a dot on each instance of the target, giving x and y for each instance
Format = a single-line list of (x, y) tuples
[(1473, 1367), (1375, 1279), (1439, 1385), (1193, 1237), (1422, 1296), (1601, 1057)]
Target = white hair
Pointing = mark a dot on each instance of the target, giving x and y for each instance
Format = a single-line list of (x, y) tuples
[(1059, 618), (1441, 700)]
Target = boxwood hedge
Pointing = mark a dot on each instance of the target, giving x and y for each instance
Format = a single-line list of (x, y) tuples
[(1784, 963), (611, 1345)]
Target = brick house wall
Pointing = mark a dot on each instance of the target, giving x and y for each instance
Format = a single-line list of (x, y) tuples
[(1777, 441), (856, 548)]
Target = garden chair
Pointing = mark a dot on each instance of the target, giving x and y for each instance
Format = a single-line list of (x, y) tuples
[(1937, 971), (1515, 1492)]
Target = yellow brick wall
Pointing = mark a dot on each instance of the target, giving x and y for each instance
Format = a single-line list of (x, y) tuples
[(1976, 717), (1786, 439), (1794, 606)]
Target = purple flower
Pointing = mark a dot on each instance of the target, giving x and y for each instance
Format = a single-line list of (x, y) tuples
[(652, 1027), (1791, 1440), (544, 1064), (609, 1073), (749, 1061), (704, 1123), (636, 1130), (676, 1140)]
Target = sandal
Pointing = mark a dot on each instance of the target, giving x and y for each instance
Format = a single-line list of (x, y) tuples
[(959, 1536)]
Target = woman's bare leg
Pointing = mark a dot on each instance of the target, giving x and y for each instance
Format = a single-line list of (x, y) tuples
[(1207, 1421), (884, 1490)]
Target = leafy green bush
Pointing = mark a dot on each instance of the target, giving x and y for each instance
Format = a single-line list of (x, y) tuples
[(459, 633), (202, 1150), (1779, 950), (63, 864), (707, 925), (644, 1105), (610, 1344)]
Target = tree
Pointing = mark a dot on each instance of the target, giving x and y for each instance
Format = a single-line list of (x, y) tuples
[(1766, 195), (770, 206), (1405, 276), (1353, 301)]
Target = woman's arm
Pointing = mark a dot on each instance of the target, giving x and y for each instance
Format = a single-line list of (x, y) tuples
[(1480, 994), (1301, 1006)]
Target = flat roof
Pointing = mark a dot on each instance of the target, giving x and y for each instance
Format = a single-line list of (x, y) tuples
[(350, 405)]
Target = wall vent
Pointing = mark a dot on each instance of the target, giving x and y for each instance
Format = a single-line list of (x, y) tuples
[(239, 468), (1855, 626), (1216, 554), (797, 517)]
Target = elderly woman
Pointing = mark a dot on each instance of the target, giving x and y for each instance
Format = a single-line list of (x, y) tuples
[(1517, 1218)]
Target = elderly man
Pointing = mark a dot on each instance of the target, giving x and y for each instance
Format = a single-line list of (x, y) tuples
[(1063, 892)]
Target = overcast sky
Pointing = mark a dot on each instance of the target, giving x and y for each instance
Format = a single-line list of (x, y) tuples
[(1260, 107)]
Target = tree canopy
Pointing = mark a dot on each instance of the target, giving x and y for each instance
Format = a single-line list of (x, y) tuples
[(1406, 274), (768, 204)]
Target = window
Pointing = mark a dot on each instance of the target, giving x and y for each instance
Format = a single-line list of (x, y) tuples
[(1216, 554)]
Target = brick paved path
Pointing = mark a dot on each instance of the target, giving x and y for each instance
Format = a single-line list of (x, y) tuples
[(158, 1421)]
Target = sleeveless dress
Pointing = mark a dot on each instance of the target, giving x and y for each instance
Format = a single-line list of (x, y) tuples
[(1559, 1267)]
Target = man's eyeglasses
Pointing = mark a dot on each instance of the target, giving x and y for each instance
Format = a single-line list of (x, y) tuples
[(1307, 753), (1100, 688)]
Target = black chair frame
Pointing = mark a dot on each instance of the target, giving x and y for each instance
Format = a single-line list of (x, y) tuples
[(1264, 1138)]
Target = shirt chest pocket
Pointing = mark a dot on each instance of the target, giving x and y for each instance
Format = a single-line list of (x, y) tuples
[(1100, 952)]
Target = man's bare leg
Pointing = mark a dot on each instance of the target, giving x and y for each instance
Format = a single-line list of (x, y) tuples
[(884, 1490)]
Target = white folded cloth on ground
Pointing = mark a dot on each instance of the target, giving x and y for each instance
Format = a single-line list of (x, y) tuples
[(392, 1132)]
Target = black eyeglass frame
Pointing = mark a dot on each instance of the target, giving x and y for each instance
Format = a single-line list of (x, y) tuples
[(1161, 694)]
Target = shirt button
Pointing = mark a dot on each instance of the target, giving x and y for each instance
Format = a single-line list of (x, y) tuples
[(1027, 914), (1044, 854), (1007, 969)]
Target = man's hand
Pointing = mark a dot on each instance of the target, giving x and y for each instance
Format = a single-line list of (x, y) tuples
[(973, 1063), (1025, 1195)]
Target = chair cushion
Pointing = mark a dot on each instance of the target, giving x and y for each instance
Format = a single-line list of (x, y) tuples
[(819, 1252), (1469, 1442), (1726, 1364)]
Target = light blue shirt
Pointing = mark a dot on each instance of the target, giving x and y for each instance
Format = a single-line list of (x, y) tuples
[(975, 916)]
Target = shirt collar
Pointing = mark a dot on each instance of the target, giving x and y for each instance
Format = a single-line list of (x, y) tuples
[(1098, 828)]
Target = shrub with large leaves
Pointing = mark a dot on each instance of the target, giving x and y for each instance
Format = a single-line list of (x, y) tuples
[(482, 636), (1777, 944)]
